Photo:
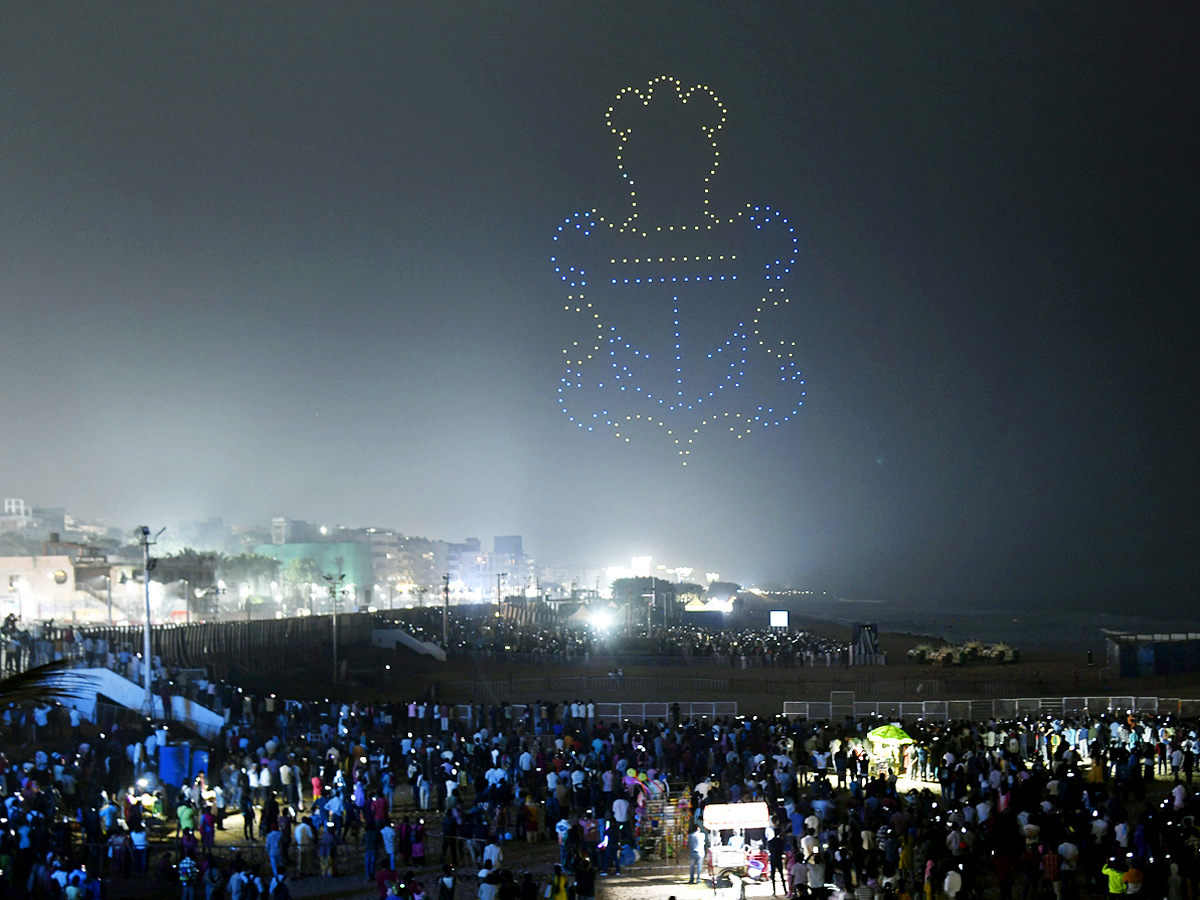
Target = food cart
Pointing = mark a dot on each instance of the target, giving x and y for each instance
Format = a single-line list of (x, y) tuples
[(730, 866), (886, 741)]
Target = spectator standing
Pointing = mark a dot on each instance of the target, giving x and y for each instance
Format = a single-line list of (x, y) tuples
[(189, 874), (696, 847)]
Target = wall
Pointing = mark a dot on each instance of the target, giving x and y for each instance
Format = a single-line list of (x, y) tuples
[(254, 647)]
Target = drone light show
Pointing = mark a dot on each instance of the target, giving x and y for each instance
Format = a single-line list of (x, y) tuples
[(680, 326)]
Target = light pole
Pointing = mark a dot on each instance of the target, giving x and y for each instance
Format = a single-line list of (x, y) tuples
[(445, 611), (335, 592), (187, 601), (108, 585), (147, 564)]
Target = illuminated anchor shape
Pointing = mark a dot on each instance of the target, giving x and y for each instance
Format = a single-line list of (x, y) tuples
[(678, 321)]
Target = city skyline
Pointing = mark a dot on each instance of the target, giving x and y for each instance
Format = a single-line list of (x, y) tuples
[(56, 526)]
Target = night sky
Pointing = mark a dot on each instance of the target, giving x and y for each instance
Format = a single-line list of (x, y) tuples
[(264, 259)]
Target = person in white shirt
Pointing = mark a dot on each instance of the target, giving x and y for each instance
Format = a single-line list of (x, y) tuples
[(525, 762), (620, 809), (952, 884), (489, 886), (264, 784), (809, 845), (237, 885), (388, 835)]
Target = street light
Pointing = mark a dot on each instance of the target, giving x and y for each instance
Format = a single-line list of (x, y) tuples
[(336, 590), (143, 532)]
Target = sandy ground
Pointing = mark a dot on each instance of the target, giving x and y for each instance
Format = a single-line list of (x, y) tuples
[(758, 691)]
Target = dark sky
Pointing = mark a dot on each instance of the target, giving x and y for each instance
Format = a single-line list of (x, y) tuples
[(294, 259)]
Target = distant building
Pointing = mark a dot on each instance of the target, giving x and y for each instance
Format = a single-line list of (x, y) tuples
[(56, 546), (51, 518), (193, 573), (208, 534), (509, 562), (1138, 655), (43, 587), (291, 531), (33, 521), (17, 516), (507, 545), (386, 574), (467, 563)]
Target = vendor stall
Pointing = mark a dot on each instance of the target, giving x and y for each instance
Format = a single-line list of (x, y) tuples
[(886, 741), (733, 862)]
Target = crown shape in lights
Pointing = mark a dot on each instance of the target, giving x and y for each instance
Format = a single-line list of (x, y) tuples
[(680, 323), (671, 105)]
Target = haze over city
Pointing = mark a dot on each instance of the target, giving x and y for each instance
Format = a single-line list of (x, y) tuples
[(264, 260)]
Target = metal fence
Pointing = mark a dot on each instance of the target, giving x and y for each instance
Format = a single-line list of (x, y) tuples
[(259, 645), (808, 710), (1012, 708), (609, 712), (643, 712)]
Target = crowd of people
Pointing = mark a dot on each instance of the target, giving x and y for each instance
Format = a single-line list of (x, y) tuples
[(425, 799), (40, 643), (750, 647), (742, 647), (488, 635), (1052, 807), (422, 796)]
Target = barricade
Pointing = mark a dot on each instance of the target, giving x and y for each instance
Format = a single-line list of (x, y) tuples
[(260, 645), (1002, 708), (643, 712)]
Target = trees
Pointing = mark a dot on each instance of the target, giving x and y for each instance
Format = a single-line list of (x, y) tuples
[(686, 593), (725, 591), (14, 543), (248, 575), (297, 575)]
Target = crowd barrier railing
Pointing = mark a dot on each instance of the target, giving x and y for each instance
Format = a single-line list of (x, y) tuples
[(1000, 708)]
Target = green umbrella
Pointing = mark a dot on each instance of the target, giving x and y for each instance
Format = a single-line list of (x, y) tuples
[(889, 734)]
